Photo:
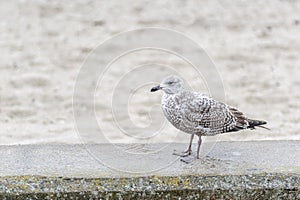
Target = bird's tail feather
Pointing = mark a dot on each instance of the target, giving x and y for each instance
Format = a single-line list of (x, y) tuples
[(256, 123)]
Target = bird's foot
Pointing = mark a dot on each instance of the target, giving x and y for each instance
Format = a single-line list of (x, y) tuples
[(183, 154), (188, 160)]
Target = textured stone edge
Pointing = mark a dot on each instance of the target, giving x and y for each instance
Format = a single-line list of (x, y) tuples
[(268, 185)]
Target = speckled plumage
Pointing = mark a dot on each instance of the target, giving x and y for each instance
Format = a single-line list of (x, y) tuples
[(198, 114)]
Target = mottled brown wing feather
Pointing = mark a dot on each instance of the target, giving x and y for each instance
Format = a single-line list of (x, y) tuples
[(241, 119), (216, 116)]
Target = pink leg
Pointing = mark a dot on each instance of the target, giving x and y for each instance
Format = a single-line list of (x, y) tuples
[(198, 149), (188, 151)]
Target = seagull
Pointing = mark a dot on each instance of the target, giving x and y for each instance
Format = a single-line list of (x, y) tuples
[(198, 114)]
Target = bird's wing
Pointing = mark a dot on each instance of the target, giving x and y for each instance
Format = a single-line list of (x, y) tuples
[(207, 114)]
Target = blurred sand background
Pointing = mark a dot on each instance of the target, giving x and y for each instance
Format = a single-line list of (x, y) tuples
[(255, 46)]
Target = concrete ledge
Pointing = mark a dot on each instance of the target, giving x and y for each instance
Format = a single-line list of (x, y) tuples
[(230, 170), (266, 186)]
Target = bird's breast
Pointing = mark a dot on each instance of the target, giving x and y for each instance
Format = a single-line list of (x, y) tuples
[(172, 110)]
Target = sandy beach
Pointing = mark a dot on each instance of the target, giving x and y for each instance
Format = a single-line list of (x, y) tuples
[(254, 46)]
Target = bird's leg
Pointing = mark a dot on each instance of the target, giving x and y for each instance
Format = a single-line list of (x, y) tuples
[(198, 153), (199, 144), (188, 151)]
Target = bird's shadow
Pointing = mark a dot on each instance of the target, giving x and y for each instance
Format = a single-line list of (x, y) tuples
[(203, 160)]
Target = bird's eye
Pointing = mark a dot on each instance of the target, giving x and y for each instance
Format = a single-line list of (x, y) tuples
[(171, 82)]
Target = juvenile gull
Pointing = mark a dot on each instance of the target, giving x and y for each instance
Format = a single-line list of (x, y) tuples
[(198, 114)]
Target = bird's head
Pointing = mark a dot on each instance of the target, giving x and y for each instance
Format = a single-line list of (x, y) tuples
[(170, 85)]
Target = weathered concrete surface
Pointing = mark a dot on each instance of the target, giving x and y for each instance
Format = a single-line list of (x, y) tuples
[(230, 170)]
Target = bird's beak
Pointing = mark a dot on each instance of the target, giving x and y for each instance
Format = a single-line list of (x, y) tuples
[(155, 88)]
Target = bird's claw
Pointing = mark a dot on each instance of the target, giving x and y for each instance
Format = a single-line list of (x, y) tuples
[(183, 154), (187, 160)]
